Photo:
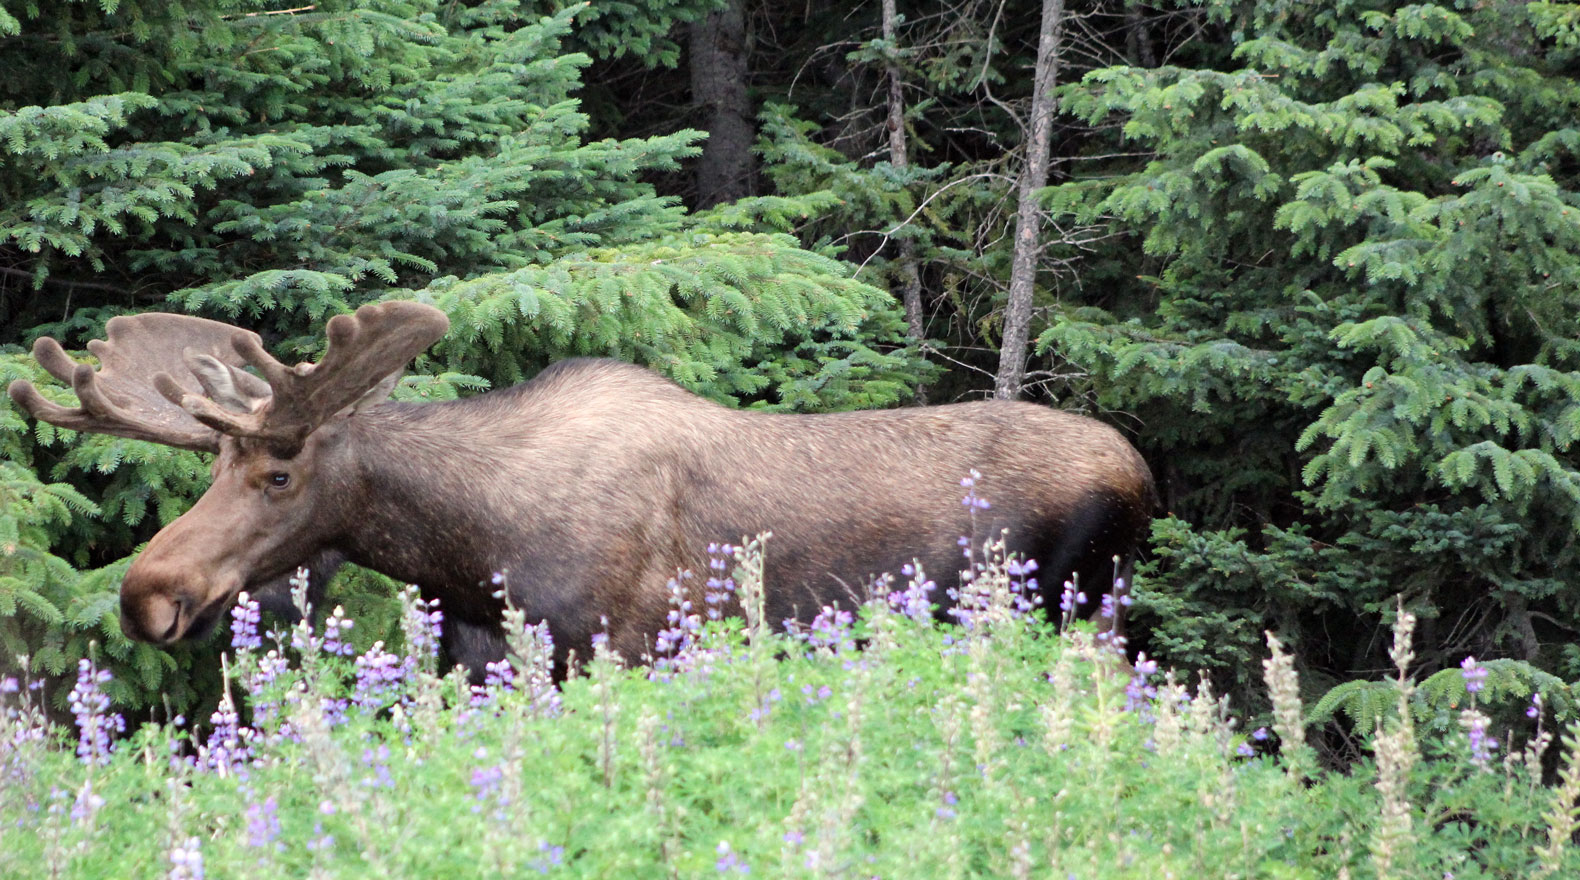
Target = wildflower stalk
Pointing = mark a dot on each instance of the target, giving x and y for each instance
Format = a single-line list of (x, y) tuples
[(332, 775), (1283, 686), (980, 679), (1396, 756), (1105, 714), (1209, 723), (1058, 713), (531, 654), (1563, 818), (750, 559), (655, 773), (420, 623), (24, 737), (603, 673), (951, 725), (182, 850), (1020, 838), (1168, 726)]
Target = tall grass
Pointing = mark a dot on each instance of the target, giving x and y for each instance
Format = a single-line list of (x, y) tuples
[(990, 745)]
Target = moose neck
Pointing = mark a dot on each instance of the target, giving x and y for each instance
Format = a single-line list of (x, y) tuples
[(433, 510)]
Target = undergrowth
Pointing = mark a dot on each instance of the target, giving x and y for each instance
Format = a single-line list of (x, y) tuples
[(878, 741)]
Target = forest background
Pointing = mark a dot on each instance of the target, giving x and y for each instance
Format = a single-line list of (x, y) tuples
[(1320, 262)]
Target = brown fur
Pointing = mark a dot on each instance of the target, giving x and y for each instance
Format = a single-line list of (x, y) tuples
[(591, 485)]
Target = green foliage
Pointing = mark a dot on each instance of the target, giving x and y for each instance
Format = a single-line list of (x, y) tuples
[(1005, 749), (1509, 688), (1351, 335)]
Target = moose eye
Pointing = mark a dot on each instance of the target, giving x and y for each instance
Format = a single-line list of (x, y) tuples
[(279, 480)]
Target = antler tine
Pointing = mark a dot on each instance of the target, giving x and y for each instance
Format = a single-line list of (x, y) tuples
[(122, 398), (364, 349)]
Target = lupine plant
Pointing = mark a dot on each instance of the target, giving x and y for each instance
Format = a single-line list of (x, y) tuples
[(881, 740)]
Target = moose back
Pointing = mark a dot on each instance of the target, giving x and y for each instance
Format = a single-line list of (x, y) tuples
[(590, 485)]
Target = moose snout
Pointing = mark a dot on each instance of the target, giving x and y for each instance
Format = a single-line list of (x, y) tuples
[(163, 607), (153, 618)]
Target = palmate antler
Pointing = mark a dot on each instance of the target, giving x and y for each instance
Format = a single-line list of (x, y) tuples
[(120, 398), (365, 349), (177, 380)]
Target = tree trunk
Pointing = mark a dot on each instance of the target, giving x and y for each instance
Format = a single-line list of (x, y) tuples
[(718, 84), (899, 157), (1033, 177), (1138, 36)]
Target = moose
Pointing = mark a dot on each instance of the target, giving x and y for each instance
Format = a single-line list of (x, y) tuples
[(589, 486)]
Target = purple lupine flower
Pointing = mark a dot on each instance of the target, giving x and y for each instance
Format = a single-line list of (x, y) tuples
[(915, 600), (422, 623), (91, 706), (1534, 710), (335, 633), (486, 782), (229, 745), (1481, 744), (1139, 694), (1024, 595), (263, 824), (946, 809), (762, 711), (266, 672), (379, 676), (971, 499), (1475, 676), (830, 629), (499, 675), (186, 860), (244, 620), (87, 803), (378, 760), (673, 645), (1244, 750), (1070, 598), (719, 588), (537, 670), (1261, 734), (729, 862), (320, 841), (551, 857)]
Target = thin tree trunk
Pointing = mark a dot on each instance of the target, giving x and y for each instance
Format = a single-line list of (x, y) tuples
[(1033, 177), (1138, 36), (718, 53), (899, 157)]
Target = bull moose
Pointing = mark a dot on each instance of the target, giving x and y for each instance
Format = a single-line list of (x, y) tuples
[(591, 484)]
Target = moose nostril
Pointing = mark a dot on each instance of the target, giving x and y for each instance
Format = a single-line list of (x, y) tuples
[(154, 619), (173, 630)]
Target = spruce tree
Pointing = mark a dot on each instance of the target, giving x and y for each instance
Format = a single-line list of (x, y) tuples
[(1349, 328)]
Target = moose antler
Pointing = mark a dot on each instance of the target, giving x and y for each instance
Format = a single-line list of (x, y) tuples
[(365, 349), (195, 354)]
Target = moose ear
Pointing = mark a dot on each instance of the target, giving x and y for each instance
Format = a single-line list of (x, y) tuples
[(378, 393)]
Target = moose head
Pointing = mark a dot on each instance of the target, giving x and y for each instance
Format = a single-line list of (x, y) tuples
[(182, 381)]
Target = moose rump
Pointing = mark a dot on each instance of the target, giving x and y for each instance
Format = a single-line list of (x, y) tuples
[(586, 489)]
